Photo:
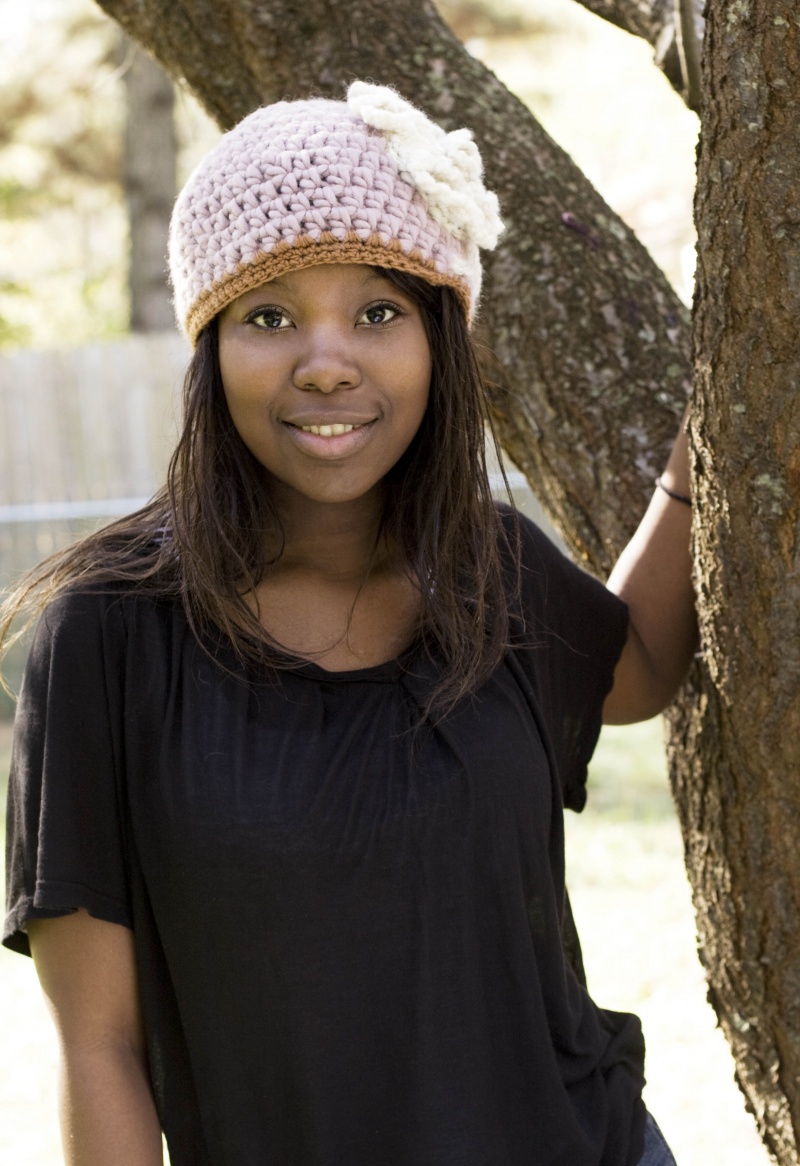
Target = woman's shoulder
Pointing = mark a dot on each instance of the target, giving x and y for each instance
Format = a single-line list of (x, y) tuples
[(550, 587), (525, 546), (106, 571), (81, 614), (81, 600), (88, 640)]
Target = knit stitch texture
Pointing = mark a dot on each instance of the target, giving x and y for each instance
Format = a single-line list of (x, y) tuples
[(301, 183)]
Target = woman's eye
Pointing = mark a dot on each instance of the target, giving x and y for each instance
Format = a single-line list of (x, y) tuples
[(270, 319), (378, 314)]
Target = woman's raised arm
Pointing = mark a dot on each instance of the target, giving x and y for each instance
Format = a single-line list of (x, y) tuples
[(653, 576), (88, 974)]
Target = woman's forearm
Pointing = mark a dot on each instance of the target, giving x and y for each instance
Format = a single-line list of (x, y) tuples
[(108, 1115), (87, 969), (654, 577)]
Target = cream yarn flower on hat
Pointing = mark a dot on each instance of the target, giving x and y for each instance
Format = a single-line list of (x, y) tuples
[(295, 184), (446, 169)]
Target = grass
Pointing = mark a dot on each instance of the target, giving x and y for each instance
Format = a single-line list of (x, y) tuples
[(632, 905), (633, 910)]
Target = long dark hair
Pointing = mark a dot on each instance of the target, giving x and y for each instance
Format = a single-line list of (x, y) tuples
[(200, 540)]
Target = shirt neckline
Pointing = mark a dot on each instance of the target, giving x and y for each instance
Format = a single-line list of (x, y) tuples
[(389, 671)]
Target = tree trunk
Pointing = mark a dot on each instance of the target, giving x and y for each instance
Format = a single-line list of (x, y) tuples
[(149, 182), (590, 375), (735, 764)]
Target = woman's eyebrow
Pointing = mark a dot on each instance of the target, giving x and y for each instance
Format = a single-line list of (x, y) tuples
[(374, 275)]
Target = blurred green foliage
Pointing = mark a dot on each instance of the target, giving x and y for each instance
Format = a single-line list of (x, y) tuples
[(62, 226), (63, 221)]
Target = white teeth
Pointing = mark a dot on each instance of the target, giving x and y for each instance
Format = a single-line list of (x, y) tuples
[(328, 430)]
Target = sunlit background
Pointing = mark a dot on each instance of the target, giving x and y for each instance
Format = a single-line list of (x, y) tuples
[(63, 256)]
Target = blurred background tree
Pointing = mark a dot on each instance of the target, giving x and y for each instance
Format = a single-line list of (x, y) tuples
[(149, 181), (91, 131), (63, 226)]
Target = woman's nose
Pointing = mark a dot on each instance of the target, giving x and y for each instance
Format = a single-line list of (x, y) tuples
[(326, 363)]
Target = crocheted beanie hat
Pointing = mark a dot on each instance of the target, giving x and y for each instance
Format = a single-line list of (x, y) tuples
[(367, 180)]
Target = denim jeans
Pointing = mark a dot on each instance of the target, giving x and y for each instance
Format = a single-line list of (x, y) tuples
[(656, 1150)]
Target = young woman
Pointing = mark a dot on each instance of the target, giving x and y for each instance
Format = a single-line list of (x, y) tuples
[(294, 741)]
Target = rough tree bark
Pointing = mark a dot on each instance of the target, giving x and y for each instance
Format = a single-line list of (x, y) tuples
[(593, 348), (150, 185), (736, 764)]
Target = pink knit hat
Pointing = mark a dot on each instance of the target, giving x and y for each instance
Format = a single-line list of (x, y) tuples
[(366, 180)]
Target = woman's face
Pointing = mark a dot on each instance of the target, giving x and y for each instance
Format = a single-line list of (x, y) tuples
[(326, 374)]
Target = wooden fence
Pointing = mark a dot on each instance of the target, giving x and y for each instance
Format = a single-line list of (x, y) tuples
[(88, 424), (85, 435)]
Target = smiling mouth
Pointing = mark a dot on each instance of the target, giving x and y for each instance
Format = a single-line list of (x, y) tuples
[(335, 430)]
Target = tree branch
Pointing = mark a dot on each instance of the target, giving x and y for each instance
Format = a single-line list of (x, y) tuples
[(673, 27), (689, 40)]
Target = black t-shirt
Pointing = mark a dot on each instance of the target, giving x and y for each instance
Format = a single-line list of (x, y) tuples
[(347, 929)]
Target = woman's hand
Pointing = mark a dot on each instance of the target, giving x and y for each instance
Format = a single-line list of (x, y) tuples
[(653, 576), (88, 974)]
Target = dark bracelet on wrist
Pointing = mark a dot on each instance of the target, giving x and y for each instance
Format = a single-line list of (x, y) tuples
[(674, 493)]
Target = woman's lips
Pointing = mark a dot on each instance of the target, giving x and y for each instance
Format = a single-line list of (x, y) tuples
[(334, 439)]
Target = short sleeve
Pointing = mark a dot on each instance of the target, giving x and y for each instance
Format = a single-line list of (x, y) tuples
[(65, 842), (569, 639)]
